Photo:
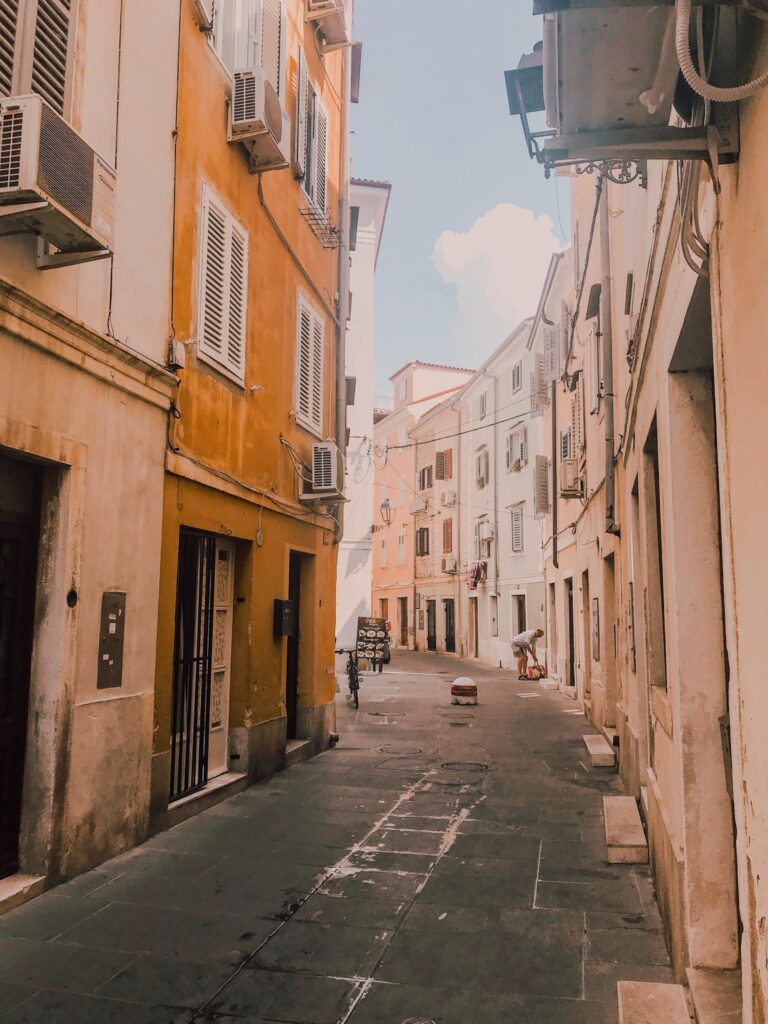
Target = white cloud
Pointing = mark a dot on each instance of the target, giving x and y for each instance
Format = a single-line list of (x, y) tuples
[(498, 268)]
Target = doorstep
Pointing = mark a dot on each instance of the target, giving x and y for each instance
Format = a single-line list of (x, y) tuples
[(218, 789), (643, 1002), (17, 889), (297, 751), (600, 752), (624, 834), (716, 995)]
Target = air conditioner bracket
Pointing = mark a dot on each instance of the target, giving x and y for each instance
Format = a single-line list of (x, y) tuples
[(48, 259)]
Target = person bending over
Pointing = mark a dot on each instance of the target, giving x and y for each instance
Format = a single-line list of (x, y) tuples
[(523, 645)]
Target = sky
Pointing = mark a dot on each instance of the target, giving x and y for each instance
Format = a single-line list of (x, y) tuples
[(472, 221)]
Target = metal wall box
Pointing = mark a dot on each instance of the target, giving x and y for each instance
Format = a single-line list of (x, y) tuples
[(286, 619), (111, 640)]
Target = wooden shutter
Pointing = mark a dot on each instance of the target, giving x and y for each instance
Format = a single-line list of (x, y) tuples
[(565, 444), (302, 108), (223, 287), (517, 529), (448, 468), (310, 340), (523, 452), (320, 194), (271, 41), (318, 339), (551, 352), (440, 465), (9, 27), (594, 372), (51, 50), (538, 387), (508, 452), (517, 376), (447, 536), (577, 416), (541, 487)]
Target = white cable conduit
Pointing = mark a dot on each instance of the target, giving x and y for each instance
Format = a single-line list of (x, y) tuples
[(699, 85)]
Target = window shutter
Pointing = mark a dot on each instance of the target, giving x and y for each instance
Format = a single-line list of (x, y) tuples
[(565, 444), (538, 387), (447, 536), (440, 465), (517, 376), (238, 299), (541, 487), (448, 455), (551, 352), (213, 313), (321, 159), (577, 414), (318, 338), (51, 50), (271, 41), (302, 105), (594, 372), (517, 529), (524, 446), (9, 27), (304, 359), (508, 457)]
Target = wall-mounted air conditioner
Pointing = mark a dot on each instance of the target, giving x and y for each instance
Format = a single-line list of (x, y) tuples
[(53, 184), (449, 565), (570, 480), (258, 120), (486, 531), (204, 12), (449, 498), (333, 18), (327, 474)]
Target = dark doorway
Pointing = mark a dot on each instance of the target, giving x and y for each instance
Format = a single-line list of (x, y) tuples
[(450, 625), (570, 679), (519, 618), (294, 642), (431, 626), (19, 528), (192, 663), (402, 611)]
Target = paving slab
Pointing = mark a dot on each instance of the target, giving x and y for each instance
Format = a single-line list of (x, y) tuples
[(652, 1003), (600, 751)]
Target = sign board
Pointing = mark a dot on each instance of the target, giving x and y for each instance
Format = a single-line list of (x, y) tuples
[(372, 638)]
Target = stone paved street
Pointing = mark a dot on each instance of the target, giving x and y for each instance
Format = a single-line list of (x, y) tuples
[(392, 878)]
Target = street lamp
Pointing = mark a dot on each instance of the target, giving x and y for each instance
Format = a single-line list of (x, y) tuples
[(387, 512)]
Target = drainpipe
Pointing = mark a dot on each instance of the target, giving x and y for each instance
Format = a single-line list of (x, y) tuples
[(342, 300), (495, 485), (555, 450), (457, 519), (606, 318)]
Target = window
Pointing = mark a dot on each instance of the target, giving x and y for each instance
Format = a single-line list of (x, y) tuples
[(519, 617), (483, 406), (541, 487), (539, 398), (493, 610), (447, 536), (517, 449), (551, 352), (444, 465), (36, 49), (310, 344), (483, 538), (250, 34), (383, 553), (577, 418), (482, 466), (422, 541), (517, 376), (518, 538), (223, 299), (425, 478), (401, 549), (311, 140)]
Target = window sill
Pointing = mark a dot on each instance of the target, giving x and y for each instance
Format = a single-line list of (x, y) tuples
[(309, 429), (219, 368)]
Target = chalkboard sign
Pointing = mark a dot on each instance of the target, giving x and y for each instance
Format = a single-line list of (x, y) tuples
[(372, 638)]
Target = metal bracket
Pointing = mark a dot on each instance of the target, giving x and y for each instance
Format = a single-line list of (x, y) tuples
[(21, 208), (48, 260), (620, 172)]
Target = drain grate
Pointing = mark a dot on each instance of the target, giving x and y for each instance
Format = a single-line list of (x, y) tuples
[(387, 714), (458, 725), (463, 766)]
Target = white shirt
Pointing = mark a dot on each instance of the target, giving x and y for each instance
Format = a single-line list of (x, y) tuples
[(528, 636)]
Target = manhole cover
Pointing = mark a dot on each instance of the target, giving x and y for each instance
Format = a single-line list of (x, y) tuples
[(457, 716), (463, 766), (398, 751), (458, 725)]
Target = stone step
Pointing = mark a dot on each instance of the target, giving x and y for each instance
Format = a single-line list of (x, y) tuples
[(600, 751), (645, 1002), (716, 995), (624, 835), (297, 751), (549, 684)]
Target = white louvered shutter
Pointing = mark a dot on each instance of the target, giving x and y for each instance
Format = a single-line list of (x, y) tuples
[(541, 487), (577, 418), (51, 49), (594, 372), (508, 454), (538, 387), (320, 192), (551, 352), (304, 362), (565, 444), (223, 287), (271, 41), (238, 298), (9, 27), (302, 106), (565, 332), (517, 529), (317, 373), (523, 456), (517, 376)]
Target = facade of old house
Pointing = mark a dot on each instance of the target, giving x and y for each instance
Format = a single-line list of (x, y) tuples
[(368, 209), (85, 253), (245, 665), (653, 608)]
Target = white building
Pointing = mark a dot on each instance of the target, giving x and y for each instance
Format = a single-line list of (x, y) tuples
[(368, 203), (500, 529)]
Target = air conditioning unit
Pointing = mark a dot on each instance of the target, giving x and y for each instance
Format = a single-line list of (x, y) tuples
[(570, 480), (334, 19), (53, 184), (327, 474), (258, 120), (204, 12), (449, 565), (448, 498), (486, 531)]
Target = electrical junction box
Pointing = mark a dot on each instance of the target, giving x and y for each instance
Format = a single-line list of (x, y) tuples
[(286, 620), (111, 640)]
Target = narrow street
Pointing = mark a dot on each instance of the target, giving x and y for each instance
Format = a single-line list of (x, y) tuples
[(442, 864)]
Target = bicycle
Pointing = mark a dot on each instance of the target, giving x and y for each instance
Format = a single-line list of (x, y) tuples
[(353, 674)]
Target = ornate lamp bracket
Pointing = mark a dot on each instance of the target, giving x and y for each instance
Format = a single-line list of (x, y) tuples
[(620, 172)]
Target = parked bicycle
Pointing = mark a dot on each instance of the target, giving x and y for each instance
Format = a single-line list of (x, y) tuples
[(353, 673)]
